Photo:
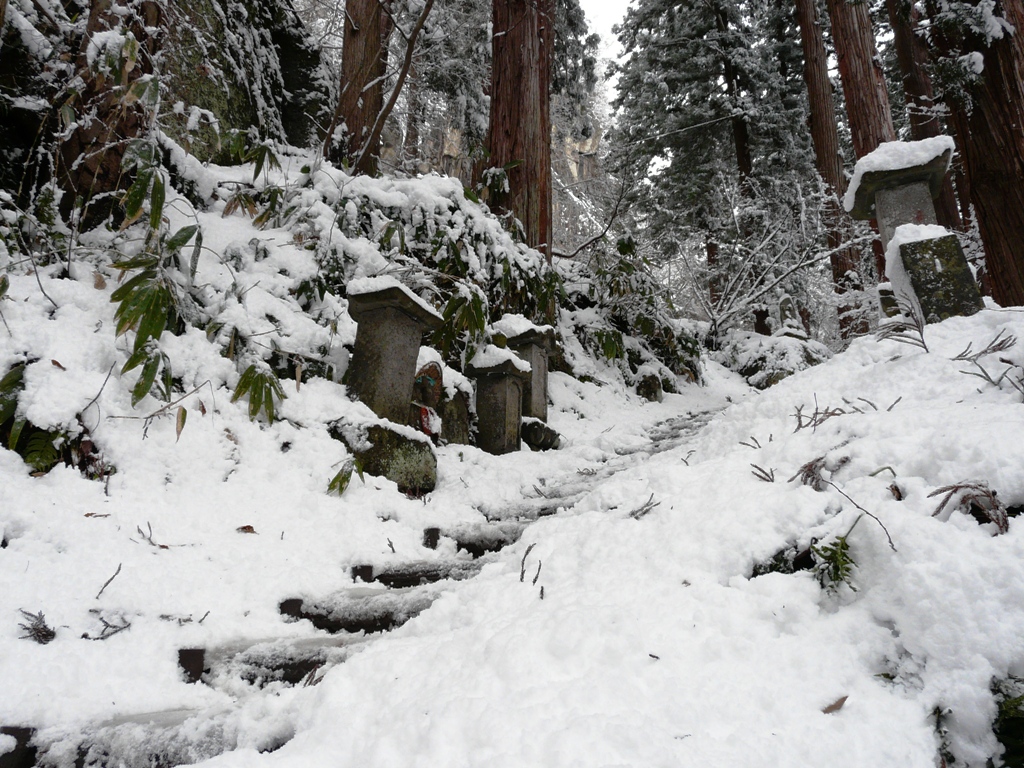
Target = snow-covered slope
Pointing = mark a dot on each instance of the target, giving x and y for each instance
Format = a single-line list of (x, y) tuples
[(628, 629)]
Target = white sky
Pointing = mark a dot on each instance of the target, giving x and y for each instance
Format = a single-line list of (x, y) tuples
[(602, 14)]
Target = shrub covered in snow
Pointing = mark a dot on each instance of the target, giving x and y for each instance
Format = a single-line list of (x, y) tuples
[(767, 360)]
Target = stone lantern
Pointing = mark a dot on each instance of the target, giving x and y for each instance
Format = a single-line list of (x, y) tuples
[(896, 185)]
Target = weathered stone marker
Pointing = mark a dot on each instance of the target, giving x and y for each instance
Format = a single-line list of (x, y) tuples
[(899, 195), (391, 325), (789, 320), (400, 454), (501, 378), (534, 345), (650, 388), (896, 185), (939, 275), (538, 435)]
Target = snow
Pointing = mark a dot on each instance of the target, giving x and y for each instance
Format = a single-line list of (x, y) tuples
[(365, 285), (895, 155), (490, 356), (511, 325), (602, 637), (894, 269)]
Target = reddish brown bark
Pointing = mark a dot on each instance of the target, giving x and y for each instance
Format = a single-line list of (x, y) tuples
[(990, 140), (867, 101), (363, 65), (825, 137), (89, 158), (520, 121), (912, 55)]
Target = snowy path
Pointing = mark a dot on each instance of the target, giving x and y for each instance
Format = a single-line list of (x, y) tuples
[(624, 618), (357, 618)]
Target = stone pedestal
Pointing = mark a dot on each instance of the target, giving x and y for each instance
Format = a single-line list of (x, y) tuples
[(383, 367), (499, 400), (534, 347), (454, 415)]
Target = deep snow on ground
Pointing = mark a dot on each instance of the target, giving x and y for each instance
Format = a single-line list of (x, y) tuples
[(597, 639)]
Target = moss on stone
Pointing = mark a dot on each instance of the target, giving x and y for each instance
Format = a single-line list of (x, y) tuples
[(408, 462)]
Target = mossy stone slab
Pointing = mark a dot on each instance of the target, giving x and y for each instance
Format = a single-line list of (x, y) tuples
[(408, 462), (941, 278)]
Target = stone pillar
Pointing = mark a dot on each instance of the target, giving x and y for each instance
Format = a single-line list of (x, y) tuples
[(930, 265), (499, 403), (533, 346), (909, 204), (383, 367)]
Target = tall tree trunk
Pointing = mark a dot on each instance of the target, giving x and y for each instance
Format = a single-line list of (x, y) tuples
[(520, 122), (912, 54), (867, 101), (363, 65), (825, 137), (990, 137), (89, 158)]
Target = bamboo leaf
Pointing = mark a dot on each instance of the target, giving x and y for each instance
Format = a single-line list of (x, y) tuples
[(260, 156), (137, 358), (67, 115), (40, 452), (12, 440), (181, 237), (156, 202), (136, 194), (136, 91), (145, 382), (179, 422), (256, 392), (194, 262), (339, 483)]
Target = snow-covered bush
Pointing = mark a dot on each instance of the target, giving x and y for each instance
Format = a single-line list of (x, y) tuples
[(618, 311), (767, 360)]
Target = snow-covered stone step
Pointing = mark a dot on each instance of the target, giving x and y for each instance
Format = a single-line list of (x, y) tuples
[(287, 660), (166, 739), (478, 540), (418, 573), (16, 750), (361, 609), (530, 510)]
